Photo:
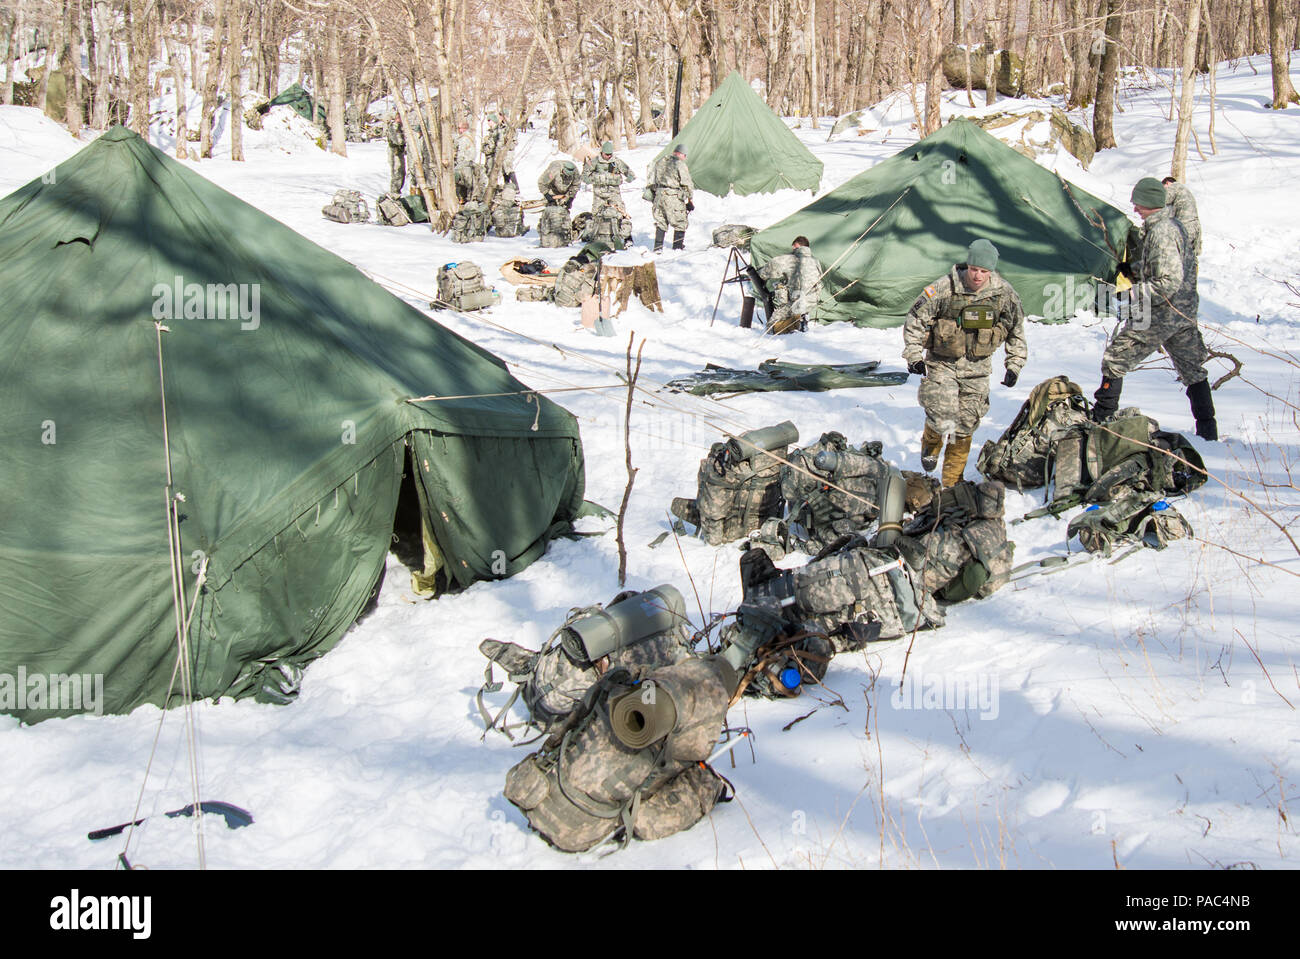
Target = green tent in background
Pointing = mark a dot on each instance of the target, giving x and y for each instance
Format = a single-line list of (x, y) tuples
[(886, 233), (298, 98), (736, 143), (289, 380)]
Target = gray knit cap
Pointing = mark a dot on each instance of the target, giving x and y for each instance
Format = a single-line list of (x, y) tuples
[(1149, 193), (982, 254)]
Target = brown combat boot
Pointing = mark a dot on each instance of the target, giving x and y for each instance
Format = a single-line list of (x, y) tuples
[(954, 460), (931, 443)]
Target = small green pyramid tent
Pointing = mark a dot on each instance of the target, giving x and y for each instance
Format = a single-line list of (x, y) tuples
[(735, 143), (300, 100), (292, 411), (886, 233)]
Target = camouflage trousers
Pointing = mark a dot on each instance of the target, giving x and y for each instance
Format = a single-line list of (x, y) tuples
[(603, 196), (954, 395), (396, 171), (669, 210), (782, 320), (1178, 336)]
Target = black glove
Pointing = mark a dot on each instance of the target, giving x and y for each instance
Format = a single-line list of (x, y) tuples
[(1125, 269), (1010, 378), (819, 509), (690, 206), (918, 367)]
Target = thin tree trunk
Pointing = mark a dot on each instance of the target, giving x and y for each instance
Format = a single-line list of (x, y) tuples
[(178, 79), (234, 80), (1103, 111), (1283, 91), (810, 53), (337, 105), (1214, 70), (211, 78), (990, 61), (1033, 75), (1178, 169), (7, 90)]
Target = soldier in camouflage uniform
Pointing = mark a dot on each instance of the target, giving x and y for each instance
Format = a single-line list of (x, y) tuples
[(560, 183), (670, 191), (1181, 203), (795, 281), (606, 174), (951, 333), (505, 137), (1163, 317), (463, 163), (396, 156)]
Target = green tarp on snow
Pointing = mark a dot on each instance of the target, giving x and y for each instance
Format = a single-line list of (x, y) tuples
[(287, 376), (300, 100), (736, 143), (886, 233)]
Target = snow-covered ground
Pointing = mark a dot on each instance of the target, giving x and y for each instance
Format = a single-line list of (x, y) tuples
[(1141, 713)]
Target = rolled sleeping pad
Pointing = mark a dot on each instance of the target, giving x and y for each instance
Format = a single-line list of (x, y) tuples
[(891, 508), (744, 446), (626, 623), (643, 716)]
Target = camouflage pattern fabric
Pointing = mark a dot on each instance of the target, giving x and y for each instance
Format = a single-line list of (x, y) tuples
[(1019, 455), (470, 223), (735, 497), (794, 280), (503, 138), (606, 178), (958, 544), (671, 188), (347, 206), (555, 181), (396, 156), (554, 228), (955, 389), (1136, 517), (508, 213), (1182, 206), (829, 501), (733, 234), (575, 283), (609, 225), (1165, 305)]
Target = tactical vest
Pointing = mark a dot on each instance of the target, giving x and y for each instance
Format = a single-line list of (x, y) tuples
[(348, 206), (461, 287), (585, 786), (555, 228), (968, 327), (1019, 456), (958, 544), (470, 223)]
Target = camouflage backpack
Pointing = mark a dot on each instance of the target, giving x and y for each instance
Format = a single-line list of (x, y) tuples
[(461, 287), (736, 495), (586, 785), (508, 216), (554, 228), (831, 488), (348, 206), (1096, 462), (391, 211), (958, 544), (553, 680), (1135, 517), (733, 234), (578, 277), (470, 223), (1019, 456), (611, 226)]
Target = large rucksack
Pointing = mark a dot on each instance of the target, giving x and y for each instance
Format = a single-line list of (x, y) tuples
[(958, 543), (461, 287), (736, 495), (391, 211), (737, 235), (831, 488), (552, 681), (578, 276), (470, 223), (585, 785), (508, 216), (610, 226), (348, 206), (1018, 457), (554, 228), (1097, 462)]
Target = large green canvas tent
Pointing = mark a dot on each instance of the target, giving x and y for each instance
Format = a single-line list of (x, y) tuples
[(735, 143), (289, 418), (886, 233)]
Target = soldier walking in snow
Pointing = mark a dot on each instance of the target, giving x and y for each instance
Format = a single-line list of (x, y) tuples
[(949, 338), (670, 191)]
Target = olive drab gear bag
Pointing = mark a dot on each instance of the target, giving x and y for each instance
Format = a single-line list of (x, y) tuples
[(958, 543), (585, 785), (554, 228), (831, 488), (348, 206), (552, 681), (1019, 456), (1097, 462), (1142, 518), (736, 235), (461, 287), (391, 211), (579, 275), (610, 226), (470, 224), (508, 216)]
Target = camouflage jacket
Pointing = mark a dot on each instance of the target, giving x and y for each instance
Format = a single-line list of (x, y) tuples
[(934, 329), (464, 151), (601, 172), (1165, 270), (554, 181), (802, 275), (670, 175), (1182, 205)]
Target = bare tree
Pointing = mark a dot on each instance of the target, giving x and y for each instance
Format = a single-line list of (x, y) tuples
[(1178, 169), (1279, 54)]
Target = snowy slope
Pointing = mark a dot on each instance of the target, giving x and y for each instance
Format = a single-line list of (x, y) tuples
[(1130, 718)]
